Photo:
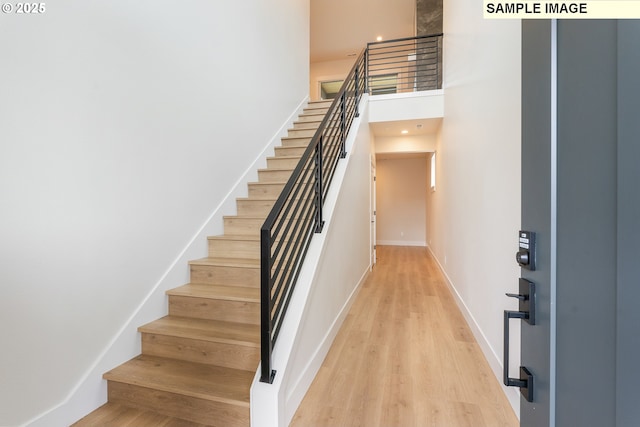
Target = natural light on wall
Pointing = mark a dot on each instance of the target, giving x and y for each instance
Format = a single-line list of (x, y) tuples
[(433, 172)]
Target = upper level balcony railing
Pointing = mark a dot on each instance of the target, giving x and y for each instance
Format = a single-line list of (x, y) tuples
[(405, 65)]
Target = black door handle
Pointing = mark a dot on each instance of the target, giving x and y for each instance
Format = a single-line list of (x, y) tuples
[(527, 312), (525, 382)]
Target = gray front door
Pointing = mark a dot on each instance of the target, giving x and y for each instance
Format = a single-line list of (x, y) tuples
[(581, 196)]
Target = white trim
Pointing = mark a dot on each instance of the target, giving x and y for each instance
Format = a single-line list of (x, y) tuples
[(554, 224), (401, 243), (490, 355)]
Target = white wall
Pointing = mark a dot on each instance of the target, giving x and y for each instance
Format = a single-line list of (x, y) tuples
[(406, 106), (402, 185), (337, 262), (124, 125), (327, 71), (475, 210), (406, 144)]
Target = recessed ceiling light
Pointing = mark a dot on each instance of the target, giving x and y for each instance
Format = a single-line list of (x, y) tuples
[(379, 38), (404, 132)]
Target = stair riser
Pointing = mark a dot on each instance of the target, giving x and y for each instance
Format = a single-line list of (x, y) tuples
[(309, 124), (306, 133), (254, 207), (234, 249), (204, 308), (290, 151), (260, 208), (221, 275), (211, 413), (269, 191), (320, 102), (282, 163), (315, 110), (310, 117), (295, 142), (243, 226), (213, 353), (274, 175)]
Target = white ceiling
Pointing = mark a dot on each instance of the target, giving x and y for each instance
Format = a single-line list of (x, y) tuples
[(340, 28), (400, 156), (415, 127)]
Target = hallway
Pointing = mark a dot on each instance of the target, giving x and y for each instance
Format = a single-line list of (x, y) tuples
[(405, 357)]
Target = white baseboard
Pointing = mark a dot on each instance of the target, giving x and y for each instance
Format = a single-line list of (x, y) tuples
[(401, 243), (492, 358)]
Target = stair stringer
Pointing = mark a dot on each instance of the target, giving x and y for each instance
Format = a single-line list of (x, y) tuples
[(337, 262), (91, 390)]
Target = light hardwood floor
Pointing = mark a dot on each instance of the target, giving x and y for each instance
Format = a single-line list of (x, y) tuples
[(405, 357)]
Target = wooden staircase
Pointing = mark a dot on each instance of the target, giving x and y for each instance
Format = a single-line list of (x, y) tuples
[(198, 362)]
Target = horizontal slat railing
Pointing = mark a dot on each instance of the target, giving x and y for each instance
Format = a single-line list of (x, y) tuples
[(297, 214), (405, 65)]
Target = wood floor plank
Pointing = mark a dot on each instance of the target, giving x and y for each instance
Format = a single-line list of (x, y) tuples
[(405, 357)]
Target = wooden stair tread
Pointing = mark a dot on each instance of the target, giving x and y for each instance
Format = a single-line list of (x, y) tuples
[(318, 121), (118, 415), (205, 330), (255, 199), (227, 262), (284, 182), (207, 382), (300, 138), (241, 237), (224, 292), (282, 158), (279, 169)]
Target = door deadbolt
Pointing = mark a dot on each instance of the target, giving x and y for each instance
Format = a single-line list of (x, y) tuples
[(526, 255), (522, 256)]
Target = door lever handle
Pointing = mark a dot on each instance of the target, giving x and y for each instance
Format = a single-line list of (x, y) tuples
[(527, 300)]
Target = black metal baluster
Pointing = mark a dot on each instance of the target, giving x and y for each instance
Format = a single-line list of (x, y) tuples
[(265, 305), (318, 189)]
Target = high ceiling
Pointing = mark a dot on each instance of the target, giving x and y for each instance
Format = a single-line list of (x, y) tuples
[(340, 28)]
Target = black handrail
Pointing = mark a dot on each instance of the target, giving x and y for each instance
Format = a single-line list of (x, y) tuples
[(297, 214)]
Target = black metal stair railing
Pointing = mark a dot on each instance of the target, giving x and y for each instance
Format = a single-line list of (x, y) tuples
[(297, 214), (402, 65), (405, 65)]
